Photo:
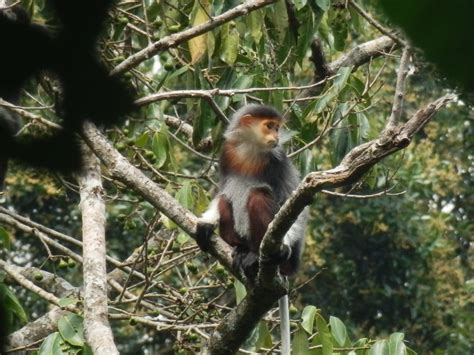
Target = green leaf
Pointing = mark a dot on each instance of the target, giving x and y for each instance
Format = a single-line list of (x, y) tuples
[(202, 121), (11, 303), (142, 140), (364, 125), (379, 348), (324, 4), (264, 338), (51, 345), (307, 322), (279, 18), (160, 146), (230, 46), (325, 335), (5, 240), (240, 291), (341, 80), (324, 101), (396, 346), (185, 195), (306, 32), (338, 330), (182, 238), (199, 15), (255, 23), (300, 344), (71, 329), (299, 4)]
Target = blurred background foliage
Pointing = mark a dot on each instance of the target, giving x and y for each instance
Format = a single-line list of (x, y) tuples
[(382, 264)]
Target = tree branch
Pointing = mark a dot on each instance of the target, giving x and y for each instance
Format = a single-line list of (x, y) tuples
[(96, 324), (397, 105), (362, 53)]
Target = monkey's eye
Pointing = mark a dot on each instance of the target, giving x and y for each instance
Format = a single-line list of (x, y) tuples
[(272, 126)]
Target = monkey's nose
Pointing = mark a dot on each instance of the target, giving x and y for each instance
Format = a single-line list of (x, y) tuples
[(273, 143)]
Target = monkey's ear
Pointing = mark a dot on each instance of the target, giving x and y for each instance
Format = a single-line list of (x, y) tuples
[(246, 120)]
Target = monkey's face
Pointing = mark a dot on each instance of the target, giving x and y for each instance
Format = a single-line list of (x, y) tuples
[(260, 133), (268, 131)]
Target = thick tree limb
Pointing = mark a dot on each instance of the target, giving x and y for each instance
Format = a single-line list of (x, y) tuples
[(183, 36), (96, 324)]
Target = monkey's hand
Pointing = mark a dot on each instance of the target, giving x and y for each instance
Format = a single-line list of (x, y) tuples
[(203, 234), (246, 261)]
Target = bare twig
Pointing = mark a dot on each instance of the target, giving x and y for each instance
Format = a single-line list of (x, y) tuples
[(397, 105), (376, 24)]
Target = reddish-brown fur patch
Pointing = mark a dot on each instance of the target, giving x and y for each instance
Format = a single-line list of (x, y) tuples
[(231, 162), (261, 209), (226, 223)]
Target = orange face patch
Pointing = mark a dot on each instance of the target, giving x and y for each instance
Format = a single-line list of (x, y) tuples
[(269, 129)]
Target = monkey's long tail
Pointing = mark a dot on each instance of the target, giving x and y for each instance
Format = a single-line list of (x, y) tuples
[(284, 325)]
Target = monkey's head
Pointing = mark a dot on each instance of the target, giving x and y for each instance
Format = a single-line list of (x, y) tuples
[(255, 125)]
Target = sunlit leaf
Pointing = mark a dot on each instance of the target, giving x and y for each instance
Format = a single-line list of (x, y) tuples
[(396, 346), (71, 329), (51, 345), (198, 45), (160, 147), (379, 348), (324, 4), (185, 195), (338, 330), (240, 291), (307, 318)]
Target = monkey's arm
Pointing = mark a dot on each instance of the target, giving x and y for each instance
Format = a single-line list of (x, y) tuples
[(206, 224)]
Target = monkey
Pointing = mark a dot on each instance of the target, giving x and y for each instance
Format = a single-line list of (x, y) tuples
[(256, 178)]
